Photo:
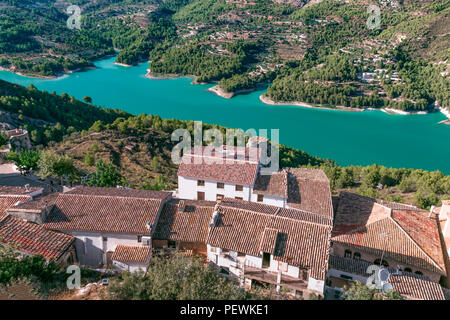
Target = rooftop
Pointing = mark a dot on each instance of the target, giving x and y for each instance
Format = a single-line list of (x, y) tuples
[(294, 241), (33, 238), (106, 210), (405, 233), (132, 253)]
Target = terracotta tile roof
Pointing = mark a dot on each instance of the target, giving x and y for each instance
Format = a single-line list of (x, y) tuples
[(354, 211), (275, 184), (106, 210), (38, 203), (413, 237), (7, 201), (309, 190), (33, 238), (410, 285), (13, 190), (398, 246), (119, 192), (132, 253), (189, 225), (273, 210), (297, 242), (231, 169), (415, 287)]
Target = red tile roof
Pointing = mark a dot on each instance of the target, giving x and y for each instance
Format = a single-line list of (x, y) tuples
[(275, 184), (106, 210), (132, 253), (410, 285), (33, 238), (189, 225), (297, 242), (309, 190), (417, 288), (9, 201), (413, 237), (230, 169)]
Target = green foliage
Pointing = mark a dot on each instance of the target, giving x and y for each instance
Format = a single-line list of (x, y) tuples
[(176, 277), (105, 175), (25, 160), (52, 165), (3, 139), (359, 291), (12, 266), (89, 159), (68, 113)]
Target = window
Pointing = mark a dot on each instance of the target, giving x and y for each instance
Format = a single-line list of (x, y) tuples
[(213, 249), (266, 260), (260, 198), (239, 187), (305, 275), (239, 198), (171, 244), (419, 273), (408, 270), (220, 185), (219, 197), (105, 238), (348, 254), (357, 256), (343, 276), (139, 238), (200, 195), (201, 183)]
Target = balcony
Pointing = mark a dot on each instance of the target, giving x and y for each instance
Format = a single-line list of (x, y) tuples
[(271, 277)]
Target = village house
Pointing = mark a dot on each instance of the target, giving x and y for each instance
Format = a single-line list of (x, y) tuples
[(200, 178), (99, 219), (250, 242), (28, 238), (402, 238)]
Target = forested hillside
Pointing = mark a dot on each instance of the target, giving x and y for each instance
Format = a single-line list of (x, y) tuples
[(318, 52)]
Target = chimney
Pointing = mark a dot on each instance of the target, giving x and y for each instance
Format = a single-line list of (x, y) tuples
[(181, 205)]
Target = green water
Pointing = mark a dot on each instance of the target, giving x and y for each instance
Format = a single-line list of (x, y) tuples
[(359, 138)]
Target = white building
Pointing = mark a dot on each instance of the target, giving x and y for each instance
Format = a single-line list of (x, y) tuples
[(100, 219)]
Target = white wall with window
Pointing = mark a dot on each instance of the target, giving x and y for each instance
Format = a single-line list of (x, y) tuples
[(198, 189)]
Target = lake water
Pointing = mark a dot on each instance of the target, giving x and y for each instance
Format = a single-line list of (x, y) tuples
[(359, 138)]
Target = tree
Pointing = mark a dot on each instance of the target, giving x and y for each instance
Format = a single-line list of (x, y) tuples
[(176, 277), (359, 291), (52, 165), (87, 99), (26, 160), (3, 140), (155, 164), (105, 175), (89, 159)]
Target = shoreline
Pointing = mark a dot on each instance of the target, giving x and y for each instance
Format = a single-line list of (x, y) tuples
[(266, 100), (169, 76), (218, 90)]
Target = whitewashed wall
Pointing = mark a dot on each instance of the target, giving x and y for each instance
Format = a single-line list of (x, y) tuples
[(90, 246), (187, 189), (270, 200)]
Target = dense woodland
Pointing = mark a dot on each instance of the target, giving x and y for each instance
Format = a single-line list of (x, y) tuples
[(314, 54)]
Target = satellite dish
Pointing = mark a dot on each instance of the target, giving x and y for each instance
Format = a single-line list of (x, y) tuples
[(387, 287), (384, 274)]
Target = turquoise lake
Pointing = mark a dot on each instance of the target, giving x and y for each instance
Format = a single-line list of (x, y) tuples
[(359, 138)]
